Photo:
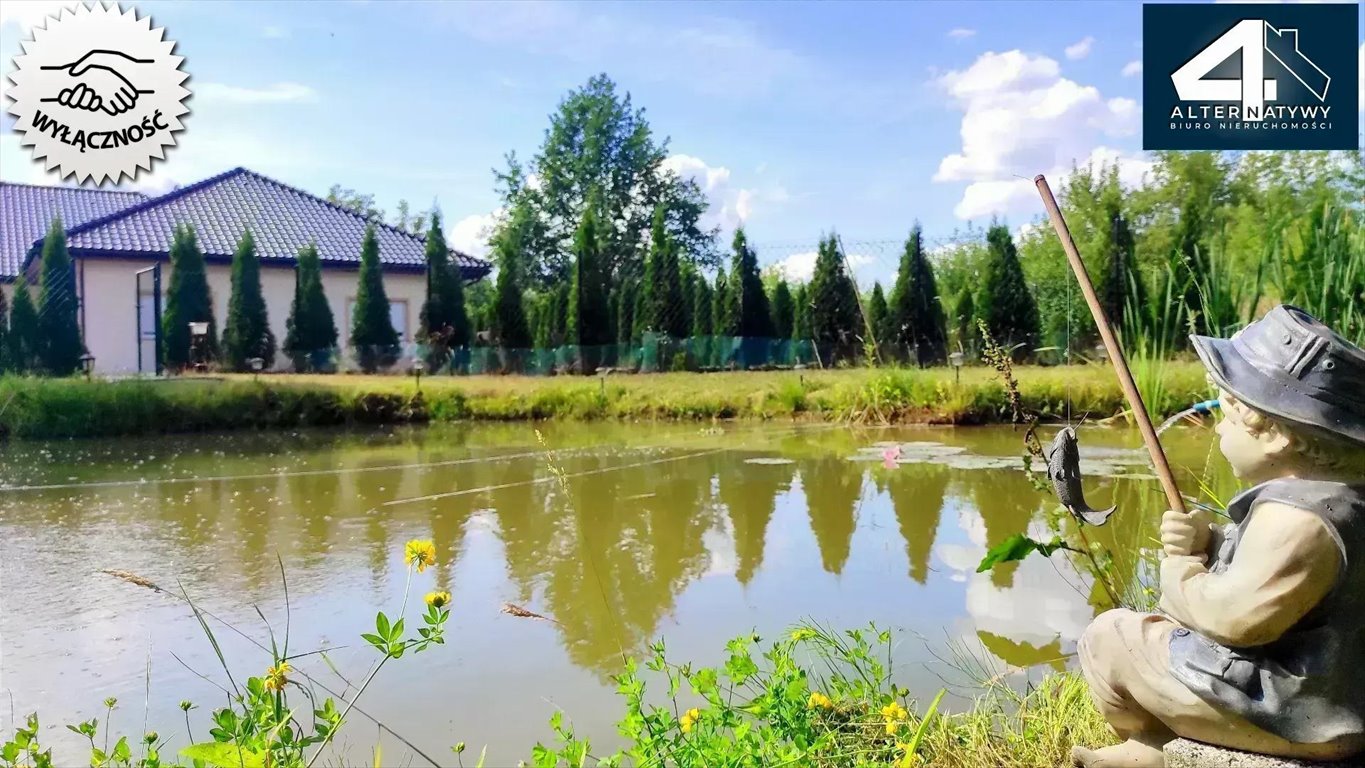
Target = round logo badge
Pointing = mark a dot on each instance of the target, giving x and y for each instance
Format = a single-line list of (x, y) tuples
[(98, 93)]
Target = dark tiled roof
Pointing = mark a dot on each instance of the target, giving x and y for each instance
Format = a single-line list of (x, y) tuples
[(27, 210), (282, 219)]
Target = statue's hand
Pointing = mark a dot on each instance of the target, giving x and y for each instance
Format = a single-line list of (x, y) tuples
[(1186, 533)]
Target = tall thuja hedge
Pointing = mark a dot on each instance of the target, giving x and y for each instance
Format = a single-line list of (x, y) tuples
[(372, 334), (835, 317), (588, 305), (782, 309), (59, 329), (964, 321), (1121, 285), (722, 315), (311, 330), (188, 300), (444, 323), (509, 310), (748, 301), (1007, 305), (801, 312), (25, 339), (5, 366), (247, 333), (877, 314), (702, 316), (663, 296), (916, 314)]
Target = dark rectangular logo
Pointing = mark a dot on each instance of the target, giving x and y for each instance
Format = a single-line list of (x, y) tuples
[(1244, 76)]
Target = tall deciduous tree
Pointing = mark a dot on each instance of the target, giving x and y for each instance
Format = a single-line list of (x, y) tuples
[(783, 309), (445, 319), (372, 333), (509, 307), (25, 336), (247, 334), (188, 300), (1007, 305), (835, 318), (58, 326), (748, 300), (916, 314), (311, 330), (599, 143)]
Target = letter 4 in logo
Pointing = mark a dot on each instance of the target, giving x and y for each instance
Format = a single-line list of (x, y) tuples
[(1250, 77), (98, 93)]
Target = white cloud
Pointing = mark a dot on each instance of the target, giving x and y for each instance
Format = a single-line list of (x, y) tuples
[(471, 233), (730, 205), (799, 267), (961, 33), (279, 93), (1080, 49), (1132, 68), (1021, 117)]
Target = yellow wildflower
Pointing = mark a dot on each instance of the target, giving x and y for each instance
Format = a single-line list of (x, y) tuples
[(421, 553), (819, 701), (894, 714), (276, 677), (689, 719), (802, 634), (438, 599)]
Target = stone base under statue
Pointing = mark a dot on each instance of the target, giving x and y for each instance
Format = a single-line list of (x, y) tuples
[(1182, 753)]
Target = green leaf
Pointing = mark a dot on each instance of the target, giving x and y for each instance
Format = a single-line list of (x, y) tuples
[(1018, 547), (224, 755), (381, 625)]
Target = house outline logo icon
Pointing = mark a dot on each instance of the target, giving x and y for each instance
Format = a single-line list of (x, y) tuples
[(1250, 77), (1253, 89), (98, 93)]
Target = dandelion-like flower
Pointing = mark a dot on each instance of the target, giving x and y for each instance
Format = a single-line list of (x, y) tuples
[(277, 676), (689, 719), (420, 552), (803, 633), (819, 701), (894, 714), (438, 599)]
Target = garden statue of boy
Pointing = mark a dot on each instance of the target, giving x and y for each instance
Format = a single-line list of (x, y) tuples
[(1260, 643)]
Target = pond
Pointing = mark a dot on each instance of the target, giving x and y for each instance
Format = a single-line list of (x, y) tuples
[(688, 533)]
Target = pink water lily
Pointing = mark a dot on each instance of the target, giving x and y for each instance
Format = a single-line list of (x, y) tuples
[(890, 455)]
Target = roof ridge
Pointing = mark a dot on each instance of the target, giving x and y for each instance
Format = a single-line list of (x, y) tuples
[(77, 188), (336, 206), (174, 194)]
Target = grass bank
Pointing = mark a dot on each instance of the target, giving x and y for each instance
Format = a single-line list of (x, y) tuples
[(48, 408)]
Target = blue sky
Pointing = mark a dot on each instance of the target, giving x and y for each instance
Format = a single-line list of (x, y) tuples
[(797, 118)]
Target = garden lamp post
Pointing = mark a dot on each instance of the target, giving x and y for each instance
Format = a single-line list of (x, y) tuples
[(198, 330), (956, 359), (418, 366), (88, 365)]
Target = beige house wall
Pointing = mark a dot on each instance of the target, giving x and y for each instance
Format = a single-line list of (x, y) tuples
[(109, 305)]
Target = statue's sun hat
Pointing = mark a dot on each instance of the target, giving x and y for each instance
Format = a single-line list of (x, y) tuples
[(1294, 368)]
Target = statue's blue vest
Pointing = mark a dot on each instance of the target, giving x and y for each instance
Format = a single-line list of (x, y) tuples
[(1309, 685)]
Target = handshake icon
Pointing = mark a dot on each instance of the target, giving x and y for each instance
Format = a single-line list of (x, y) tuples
[(99, 82)]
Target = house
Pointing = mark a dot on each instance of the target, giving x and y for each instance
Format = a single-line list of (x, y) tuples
[(112, 236)]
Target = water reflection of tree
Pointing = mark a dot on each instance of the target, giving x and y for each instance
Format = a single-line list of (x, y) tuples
[(1007, 505), (749, 494), (917, 494), (621, 547), (832, 486), (1022, 654)]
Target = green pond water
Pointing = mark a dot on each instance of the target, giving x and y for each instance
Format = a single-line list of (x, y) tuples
[(680, 532)]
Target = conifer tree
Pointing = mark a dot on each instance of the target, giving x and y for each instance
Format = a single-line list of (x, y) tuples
[(5, 365), (626, 296), (247, 334), (1007, 305), (701, 307), (588, 322), (311, 330), (445, 321), (721, 315), (748, 301), (877, 315), (59, 330), (24, 333), (663, 297), (689, 294), (783, 310), (1121, 284), (835, 318), (509, 310), (559, 315), (188, 300), (964, 317), (801, 313), (916, 314), (373, 337)]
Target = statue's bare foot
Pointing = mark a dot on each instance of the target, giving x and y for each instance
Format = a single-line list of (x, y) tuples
[(1129, 754)]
